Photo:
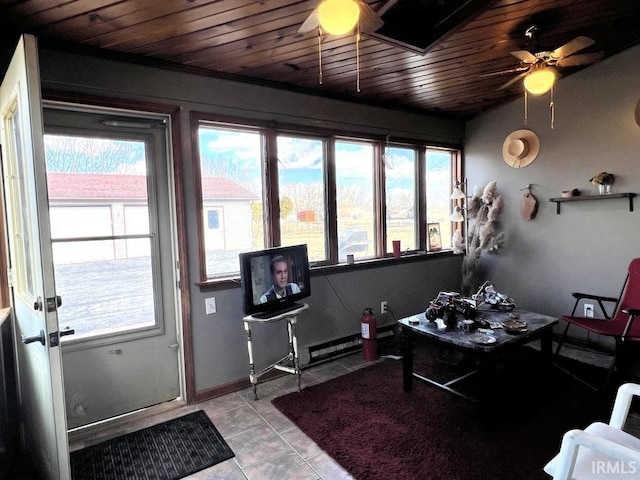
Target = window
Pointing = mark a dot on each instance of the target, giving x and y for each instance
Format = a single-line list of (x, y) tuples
[(231, 181), (301, 166), (264, 186), (213, 219), (440, 164), (400, 188), (354, 200)]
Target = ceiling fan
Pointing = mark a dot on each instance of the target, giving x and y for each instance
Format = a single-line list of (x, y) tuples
[(338, 17), (539, 69), (341, 17)]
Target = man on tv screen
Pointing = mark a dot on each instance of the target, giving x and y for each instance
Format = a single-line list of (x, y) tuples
[(280, 287)]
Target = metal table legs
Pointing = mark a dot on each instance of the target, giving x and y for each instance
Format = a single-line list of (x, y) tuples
[(289, 363)]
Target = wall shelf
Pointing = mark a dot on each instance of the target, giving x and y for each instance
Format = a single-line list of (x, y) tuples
[(607, 196)]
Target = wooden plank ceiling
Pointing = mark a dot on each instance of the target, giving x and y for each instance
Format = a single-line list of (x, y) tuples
[(429, 55)]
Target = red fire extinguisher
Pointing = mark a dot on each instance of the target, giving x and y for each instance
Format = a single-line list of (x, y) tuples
[(369, 333)]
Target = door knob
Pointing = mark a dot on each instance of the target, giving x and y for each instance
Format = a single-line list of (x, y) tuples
[(37, 305), (36, 338)]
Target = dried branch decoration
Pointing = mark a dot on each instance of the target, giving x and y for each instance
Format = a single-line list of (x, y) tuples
[(484, 210)]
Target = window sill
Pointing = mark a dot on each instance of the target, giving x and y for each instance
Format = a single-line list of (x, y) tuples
[(365, 264)]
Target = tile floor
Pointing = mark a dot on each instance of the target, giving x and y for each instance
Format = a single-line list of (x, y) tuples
[(266, 444)]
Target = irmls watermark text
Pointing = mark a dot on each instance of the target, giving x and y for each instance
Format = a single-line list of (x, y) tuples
[(614, 467)]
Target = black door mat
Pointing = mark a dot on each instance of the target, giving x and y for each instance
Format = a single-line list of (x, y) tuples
[(167, 451)]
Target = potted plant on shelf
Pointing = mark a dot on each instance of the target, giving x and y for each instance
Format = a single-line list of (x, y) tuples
[(604, 181)]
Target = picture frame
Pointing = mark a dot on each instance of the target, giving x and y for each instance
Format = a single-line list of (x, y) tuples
[(434, 237)]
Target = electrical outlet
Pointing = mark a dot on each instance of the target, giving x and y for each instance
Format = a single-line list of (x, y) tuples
[(383, 307), (210, 305), (588, 310)]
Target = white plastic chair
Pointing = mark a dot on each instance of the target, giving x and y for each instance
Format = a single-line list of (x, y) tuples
[(601, 451)]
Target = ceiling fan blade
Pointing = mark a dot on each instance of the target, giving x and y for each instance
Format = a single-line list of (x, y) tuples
[(370, 21), (581, 59), (311, 23), (524, 56), (573, 46), (513, 80), (512, 70)]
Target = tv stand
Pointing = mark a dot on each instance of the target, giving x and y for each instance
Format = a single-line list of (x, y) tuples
[(289, 363)]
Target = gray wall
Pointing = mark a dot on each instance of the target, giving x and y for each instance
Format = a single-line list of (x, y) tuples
[(339, 297), (589, 245), (336, 305)]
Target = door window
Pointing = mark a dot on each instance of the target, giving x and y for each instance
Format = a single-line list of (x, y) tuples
[(101, 231), (21, 212)]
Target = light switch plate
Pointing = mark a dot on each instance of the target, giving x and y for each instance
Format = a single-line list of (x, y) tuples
[(210, 305)]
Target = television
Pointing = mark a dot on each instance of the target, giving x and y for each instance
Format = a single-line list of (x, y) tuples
[(274, 279)]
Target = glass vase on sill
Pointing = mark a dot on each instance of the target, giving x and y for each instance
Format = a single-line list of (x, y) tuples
[(604, 189)]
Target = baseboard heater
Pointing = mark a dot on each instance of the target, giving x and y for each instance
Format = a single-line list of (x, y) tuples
[(320, 352)]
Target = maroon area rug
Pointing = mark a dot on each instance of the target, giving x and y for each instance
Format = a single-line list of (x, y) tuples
[(374, 430)]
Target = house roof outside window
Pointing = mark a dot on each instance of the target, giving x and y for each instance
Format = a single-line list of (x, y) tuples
[(113, 187)]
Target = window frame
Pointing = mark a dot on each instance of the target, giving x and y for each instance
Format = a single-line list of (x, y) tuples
[(270, 130)]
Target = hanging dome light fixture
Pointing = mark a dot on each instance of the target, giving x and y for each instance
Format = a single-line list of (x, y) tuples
[(540, 80), (338, 17)]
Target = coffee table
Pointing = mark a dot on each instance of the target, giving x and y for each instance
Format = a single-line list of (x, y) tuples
[(419, 328)]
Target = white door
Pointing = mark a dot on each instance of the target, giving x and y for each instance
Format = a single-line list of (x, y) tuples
[(114, 254), (38, 359)]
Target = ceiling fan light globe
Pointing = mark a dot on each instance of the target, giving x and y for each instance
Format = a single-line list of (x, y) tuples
[(338, 17), (540, 81)]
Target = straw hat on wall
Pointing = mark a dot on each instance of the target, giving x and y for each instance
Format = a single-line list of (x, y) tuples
[(520, 148)]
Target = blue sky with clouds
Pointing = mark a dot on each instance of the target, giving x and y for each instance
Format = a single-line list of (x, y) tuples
[(300, 159)]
